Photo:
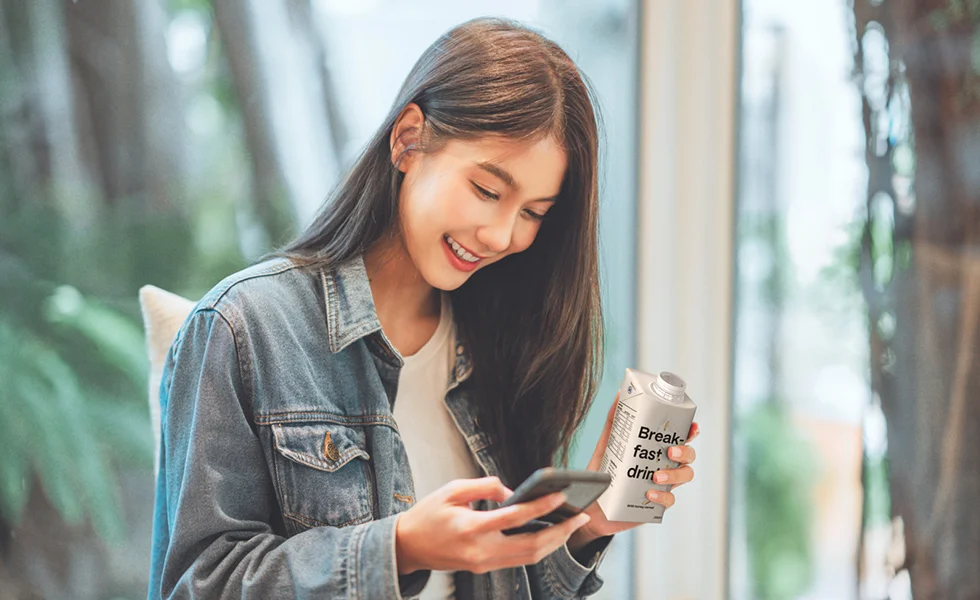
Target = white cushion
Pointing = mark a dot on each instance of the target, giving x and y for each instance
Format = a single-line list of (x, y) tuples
[(163, 314)]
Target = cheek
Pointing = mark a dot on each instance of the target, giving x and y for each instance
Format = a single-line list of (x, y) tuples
[(436, 203), (524, 236), (417, 211)]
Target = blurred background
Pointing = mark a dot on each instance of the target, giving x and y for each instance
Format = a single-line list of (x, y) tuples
[(790, 218)]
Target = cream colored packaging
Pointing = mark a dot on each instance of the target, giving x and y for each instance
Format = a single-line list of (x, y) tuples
[(653, 414)]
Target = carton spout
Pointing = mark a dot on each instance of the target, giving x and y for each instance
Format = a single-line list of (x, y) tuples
[(670, 387)]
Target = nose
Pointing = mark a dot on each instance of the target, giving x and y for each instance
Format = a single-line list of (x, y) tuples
[(497, 236)]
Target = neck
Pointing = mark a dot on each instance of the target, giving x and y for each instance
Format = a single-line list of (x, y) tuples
[(401, 295)]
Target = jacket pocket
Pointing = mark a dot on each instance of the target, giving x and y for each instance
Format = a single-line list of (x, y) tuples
[(323, 475)]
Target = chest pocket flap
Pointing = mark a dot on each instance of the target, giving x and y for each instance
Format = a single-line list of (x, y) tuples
[(323, 446), (323, 473)]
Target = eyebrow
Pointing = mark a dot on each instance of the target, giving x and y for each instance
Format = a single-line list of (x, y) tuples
[(505, 176), (500, 173)]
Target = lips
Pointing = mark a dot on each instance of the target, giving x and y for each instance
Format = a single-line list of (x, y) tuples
[(461, 250), (455, 260)]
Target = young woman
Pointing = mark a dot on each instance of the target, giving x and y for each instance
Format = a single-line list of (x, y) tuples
[(343, 420)]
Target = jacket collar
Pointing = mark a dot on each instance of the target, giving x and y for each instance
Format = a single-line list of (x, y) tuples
[(349, 304), (351, 315)]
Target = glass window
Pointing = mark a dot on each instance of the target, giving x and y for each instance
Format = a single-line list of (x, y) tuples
[(857, 287)]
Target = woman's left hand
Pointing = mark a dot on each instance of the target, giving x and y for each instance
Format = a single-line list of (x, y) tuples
[(599, 525)]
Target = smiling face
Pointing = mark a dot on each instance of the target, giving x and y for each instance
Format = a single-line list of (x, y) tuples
[(473, 202)]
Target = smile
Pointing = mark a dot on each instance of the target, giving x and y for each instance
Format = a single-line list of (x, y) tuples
[(460, 251)]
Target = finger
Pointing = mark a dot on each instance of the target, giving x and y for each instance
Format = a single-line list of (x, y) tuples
[(693, 432), (612, 411), (659, 497), (674, 476), (461, 491), (507, 517), (532, 547), (558, 534), (682, 454)]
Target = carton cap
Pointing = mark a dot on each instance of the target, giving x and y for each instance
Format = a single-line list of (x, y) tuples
[(670, 387)]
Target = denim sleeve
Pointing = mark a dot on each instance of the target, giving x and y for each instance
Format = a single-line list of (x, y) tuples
[(561, 576), (215, 501)]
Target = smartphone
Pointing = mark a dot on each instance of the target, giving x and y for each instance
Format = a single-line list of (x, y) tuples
[(581, 488)]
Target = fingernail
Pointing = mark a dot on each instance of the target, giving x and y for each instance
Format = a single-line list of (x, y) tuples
[(652, 496), (675, 452), (660, 477)]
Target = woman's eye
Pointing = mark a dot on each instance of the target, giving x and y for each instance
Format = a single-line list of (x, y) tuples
[(533, 215), (486, 193)]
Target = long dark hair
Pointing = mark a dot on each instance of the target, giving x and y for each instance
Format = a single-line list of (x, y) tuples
[(532, 321)]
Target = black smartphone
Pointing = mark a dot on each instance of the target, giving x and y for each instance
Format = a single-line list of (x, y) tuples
[(581, 488)]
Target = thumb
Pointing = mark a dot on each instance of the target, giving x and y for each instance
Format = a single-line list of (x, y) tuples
[(470, 490)]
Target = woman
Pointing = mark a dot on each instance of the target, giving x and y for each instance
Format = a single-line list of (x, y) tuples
[(343, 420)]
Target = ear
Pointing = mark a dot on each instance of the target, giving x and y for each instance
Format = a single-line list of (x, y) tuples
[(406, 136)]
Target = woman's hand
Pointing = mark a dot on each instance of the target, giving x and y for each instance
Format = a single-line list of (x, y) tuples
[(599, 525), (444, 533)]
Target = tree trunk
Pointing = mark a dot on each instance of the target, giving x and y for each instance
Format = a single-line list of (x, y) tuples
[(278, 64), (927, 372), (130, 122), (91, 173), (39, 148)]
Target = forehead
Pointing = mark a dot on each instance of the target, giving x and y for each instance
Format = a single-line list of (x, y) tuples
[(536, 167)]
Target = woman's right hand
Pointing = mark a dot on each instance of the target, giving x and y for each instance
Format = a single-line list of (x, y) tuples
[(442, 532)]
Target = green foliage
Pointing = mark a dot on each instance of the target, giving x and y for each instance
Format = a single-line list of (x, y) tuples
[(779, 508), (877, 495), (975, 51), (768, 231), (837, 291), (73, 370), (72, 379), (73, 254), (176, 6)]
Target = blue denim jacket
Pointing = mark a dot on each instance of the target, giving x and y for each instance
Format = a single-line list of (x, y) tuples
[(282, 473)]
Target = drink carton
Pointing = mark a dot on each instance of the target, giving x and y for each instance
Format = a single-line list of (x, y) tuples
[(653, 414)]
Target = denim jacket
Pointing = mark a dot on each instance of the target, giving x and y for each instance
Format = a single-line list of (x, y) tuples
[(282, 472)]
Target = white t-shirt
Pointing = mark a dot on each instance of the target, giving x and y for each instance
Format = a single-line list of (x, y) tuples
[(437, 452)]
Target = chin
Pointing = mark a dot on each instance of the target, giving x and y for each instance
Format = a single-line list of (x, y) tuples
[(446, 282), (443, 276)]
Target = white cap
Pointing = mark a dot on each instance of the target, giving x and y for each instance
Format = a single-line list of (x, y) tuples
[(670, 387)]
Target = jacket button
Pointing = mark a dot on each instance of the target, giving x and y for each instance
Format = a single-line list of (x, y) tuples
[(329, 448)]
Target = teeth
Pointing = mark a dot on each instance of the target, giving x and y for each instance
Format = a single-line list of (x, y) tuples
[(460, 251)]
